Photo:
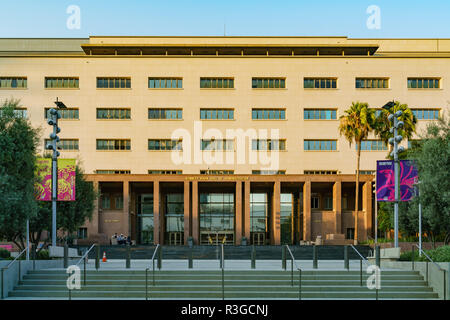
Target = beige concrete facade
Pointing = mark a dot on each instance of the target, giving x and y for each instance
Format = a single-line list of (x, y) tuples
[(240, 58)]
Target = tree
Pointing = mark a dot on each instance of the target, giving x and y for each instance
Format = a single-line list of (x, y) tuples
[(355, 125), (383, 125), (18, 143), (432, 157)]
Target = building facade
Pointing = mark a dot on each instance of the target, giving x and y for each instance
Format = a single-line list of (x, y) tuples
[(221, 138)]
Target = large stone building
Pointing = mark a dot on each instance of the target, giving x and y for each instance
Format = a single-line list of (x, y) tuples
[(220, 138)]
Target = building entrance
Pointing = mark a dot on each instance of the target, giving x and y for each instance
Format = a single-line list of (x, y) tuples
[(145, 222)]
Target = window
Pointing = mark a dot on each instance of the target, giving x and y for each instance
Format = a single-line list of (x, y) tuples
[(113, 114), (66, 114), (217, 145), (165, 83), (328, 203), (314, 202), (65, 144), (372, 145), (118, 202), (217, 172), (167, 114), (426, 114), (113, 171), (268, 83), (319, 114), (269, 114), (13, 82), (269, 144), (424, 83), (320, 145), (366, 172), (320, 83), (82, 233), (114, 83), (113, 144), (216, 114), (106, 203), (217, 83), (164, 144), (20, 113), (320, 172), (371, 83), (62, 83), (165, 172), (350, 234), (262, 172)]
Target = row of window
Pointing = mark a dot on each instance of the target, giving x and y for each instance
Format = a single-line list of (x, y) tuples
[(219, 114), (218, 83), (228, 172)]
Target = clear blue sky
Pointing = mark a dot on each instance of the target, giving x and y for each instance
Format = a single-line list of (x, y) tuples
[(399, 18)]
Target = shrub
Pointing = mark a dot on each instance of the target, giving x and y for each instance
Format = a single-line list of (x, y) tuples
[(4, 254), (43, 255), (441, 254)]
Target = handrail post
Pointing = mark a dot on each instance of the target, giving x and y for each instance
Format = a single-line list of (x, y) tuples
[(360, 272), (346, 261), (253, 257), (299, 284), (33, 249), (377, 256), (146, 284), (314, 257), (445, 287), (97, 257), (84, 263), (412, 257), (427, 272), (128, 257), (19, 271), (292, 271), (153, 272), (190, 258), (283, 258), (1, 296), (223, 273), (159, 257), (66, 255)]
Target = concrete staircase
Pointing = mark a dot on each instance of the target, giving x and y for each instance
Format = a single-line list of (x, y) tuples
[(207, 284)]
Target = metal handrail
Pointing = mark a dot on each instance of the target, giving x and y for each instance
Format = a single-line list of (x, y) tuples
[(361, 259), (9, 265), (83, 258), (292, 273), (85, 254), (444, 295), (153, 271), (222, 259), (360, 255)]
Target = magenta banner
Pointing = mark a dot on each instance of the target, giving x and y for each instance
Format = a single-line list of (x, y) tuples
[(66, 179), (386, 183)]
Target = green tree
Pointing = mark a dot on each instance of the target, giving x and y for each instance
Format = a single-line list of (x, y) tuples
[(18, 143), (385, 217), (355, 125), (383, 125), (432, 157)]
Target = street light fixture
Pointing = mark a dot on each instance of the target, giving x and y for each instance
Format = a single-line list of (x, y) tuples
[(394, 141), (53, 121)]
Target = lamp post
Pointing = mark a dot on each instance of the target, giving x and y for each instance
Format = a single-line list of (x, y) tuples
[(53, 121), (394, 141)]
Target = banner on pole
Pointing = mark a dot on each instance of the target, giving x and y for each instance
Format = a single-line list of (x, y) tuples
[(408, 176), (66, 179)]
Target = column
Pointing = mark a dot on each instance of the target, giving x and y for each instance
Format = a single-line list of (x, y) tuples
[(186, 211), (337, 205), (93, 227), (307, 210), (195, 219), (126, 209), (276, 213), (156, 216), (238, 210), (247, 210), (367, 209)]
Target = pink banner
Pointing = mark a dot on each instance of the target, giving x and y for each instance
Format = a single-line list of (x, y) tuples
[(66, 179)]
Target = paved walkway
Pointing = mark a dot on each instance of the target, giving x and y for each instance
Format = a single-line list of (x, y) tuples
[(114, 264)]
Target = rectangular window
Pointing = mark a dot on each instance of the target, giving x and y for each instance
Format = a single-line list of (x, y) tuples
[(65, 144), (13, 82), (217, 145), (320, 83), (320, 145), (319, 114), (165, 83), (269, 144), (82, 233), (62, 82), (424, 83), (113, 113), (168, 172), (372, 145), (113, 144), (164, 144), (314, 202), (426, 114), (268, 83), (217, 114), (66, 114), (217, 172), (217, 83), (272, 172), (372, 83), (269, 114), (165, 114), (19, 113), (320, 172), (114, 83), (113, 171)]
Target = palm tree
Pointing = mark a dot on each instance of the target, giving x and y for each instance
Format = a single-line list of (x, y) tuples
[(355, 125), (382, 124)]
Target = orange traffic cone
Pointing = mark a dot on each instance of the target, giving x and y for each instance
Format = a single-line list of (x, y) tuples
[(104, 256)]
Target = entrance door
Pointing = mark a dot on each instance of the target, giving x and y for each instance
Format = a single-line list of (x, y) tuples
[(145, 222)]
